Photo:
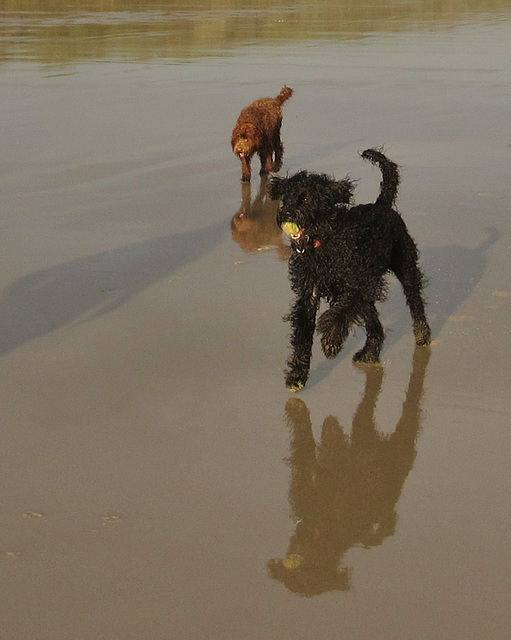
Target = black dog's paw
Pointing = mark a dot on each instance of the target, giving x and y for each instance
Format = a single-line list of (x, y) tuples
[(295, 380), (330, 346), (367, 355), (422, 334)]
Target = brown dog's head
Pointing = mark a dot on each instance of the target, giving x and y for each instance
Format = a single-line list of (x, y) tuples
[(245, 141)]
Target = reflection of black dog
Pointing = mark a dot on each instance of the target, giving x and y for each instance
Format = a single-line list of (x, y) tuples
[(344, 490), (341, 254), (254, 227)]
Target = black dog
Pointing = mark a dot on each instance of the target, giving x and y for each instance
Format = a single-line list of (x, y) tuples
[(341, 253)]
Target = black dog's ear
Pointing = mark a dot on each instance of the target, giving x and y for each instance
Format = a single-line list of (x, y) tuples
[(344, 190), (276, 187)]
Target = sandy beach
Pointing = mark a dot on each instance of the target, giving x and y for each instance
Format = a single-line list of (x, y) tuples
[(154, 480)]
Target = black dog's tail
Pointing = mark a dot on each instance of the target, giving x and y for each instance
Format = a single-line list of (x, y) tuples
[(390, 182), (285, 94)]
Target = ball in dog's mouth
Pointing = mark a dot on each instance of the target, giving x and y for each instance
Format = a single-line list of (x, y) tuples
[(291, 229)]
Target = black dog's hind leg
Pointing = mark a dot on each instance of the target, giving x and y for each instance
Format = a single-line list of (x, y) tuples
[(370, 352), (303, 320), (404, 265)]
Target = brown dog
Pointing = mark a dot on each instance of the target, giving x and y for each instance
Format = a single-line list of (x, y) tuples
[(258, 131)]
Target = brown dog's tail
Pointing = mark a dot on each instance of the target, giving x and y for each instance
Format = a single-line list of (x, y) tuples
[(285, 94), (390, 176)]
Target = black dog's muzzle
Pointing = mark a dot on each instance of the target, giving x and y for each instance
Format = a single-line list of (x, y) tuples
[(299, 239), (301, 244)]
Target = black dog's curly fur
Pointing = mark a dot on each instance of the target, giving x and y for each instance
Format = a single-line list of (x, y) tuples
[(341, 253)]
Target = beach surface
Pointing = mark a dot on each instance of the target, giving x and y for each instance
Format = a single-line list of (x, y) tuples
[(158, 480)]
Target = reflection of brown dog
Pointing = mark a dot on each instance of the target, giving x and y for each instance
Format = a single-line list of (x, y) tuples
[(258, 131), (254, 227), (344, 490)]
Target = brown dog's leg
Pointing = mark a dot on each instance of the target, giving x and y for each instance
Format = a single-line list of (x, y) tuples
[(266, 162), (278, 148), (245, 168)]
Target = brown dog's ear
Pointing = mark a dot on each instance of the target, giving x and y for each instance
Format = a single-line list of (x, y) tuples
[(276, 187)]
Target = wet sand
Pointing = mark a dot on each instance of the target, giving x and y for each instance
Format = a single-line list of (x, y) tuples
[(158, 480)]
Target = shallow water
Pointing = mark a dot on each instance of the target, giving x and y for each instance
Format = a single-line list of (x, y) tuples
[(158, 479)]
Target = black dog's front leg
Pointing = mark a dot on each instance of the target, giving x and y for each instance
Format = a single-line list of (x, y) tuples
[(303, 322)]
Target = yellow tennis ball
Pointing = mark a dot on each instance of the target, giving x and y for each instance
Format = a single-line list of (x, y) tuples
[(291, 228)]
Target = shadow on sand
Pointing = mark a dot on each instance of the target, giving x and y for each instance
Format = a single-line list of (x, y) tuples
[(87, 288)]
